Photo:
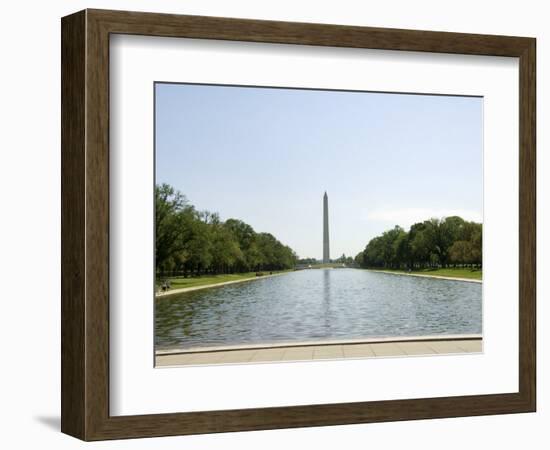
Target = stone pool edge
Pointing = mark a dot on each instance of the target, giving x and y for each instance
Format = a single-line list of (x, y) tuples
[(440, 277), (394, 339), (375, 348)]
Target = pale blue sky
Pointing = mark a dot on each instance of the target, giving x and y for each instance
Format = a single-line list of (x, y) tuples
[(266, 156)]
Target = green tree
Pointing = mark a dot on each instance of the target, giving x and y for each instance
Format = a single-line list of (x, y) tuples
[(170, 230), (461, 252), (196, 242), (432, 243)]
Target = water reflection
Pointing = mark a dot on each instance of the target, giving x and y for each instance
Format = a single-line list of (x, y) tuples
[(318, 304), (326, 297)]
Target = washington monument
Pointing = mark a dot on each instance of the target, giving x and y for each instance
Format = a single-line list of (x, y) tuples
[(326, 249)]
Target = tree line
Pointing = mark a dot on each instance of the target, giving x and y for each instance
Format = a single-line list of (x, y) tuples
[(196, 242), (448, 242)]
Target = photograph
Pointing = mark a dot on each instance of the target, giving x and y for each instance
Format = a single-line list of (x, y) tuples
[(301, 224)]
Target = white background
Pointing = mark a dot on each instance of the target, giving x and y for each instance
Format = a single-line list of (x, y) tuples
[(138, 388), (30, 238)]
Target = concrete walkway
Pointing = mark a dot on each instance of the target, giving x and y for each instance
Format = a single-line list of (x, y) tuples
[(468, 280), (213, 285), (365, 348)]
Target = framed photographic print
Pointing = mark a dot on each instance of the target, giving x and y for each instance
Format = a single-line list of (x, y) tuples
[(272, 224)]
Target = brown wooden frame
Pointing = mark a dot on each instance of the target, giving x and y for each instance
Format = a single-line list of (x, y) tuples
[(85, 224)]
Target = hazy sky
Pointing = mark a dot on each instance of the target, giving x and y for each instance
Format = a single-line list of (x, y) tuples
[(266, 156)]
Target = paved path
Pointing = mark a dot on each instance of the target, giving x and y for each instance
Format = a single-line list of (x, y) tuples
[(469, 280), (213, 285), (366, 348)]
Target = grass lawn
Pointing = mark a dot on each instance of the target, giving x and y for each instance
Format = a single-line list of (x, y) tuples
[(474, 274), (181, 282)]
